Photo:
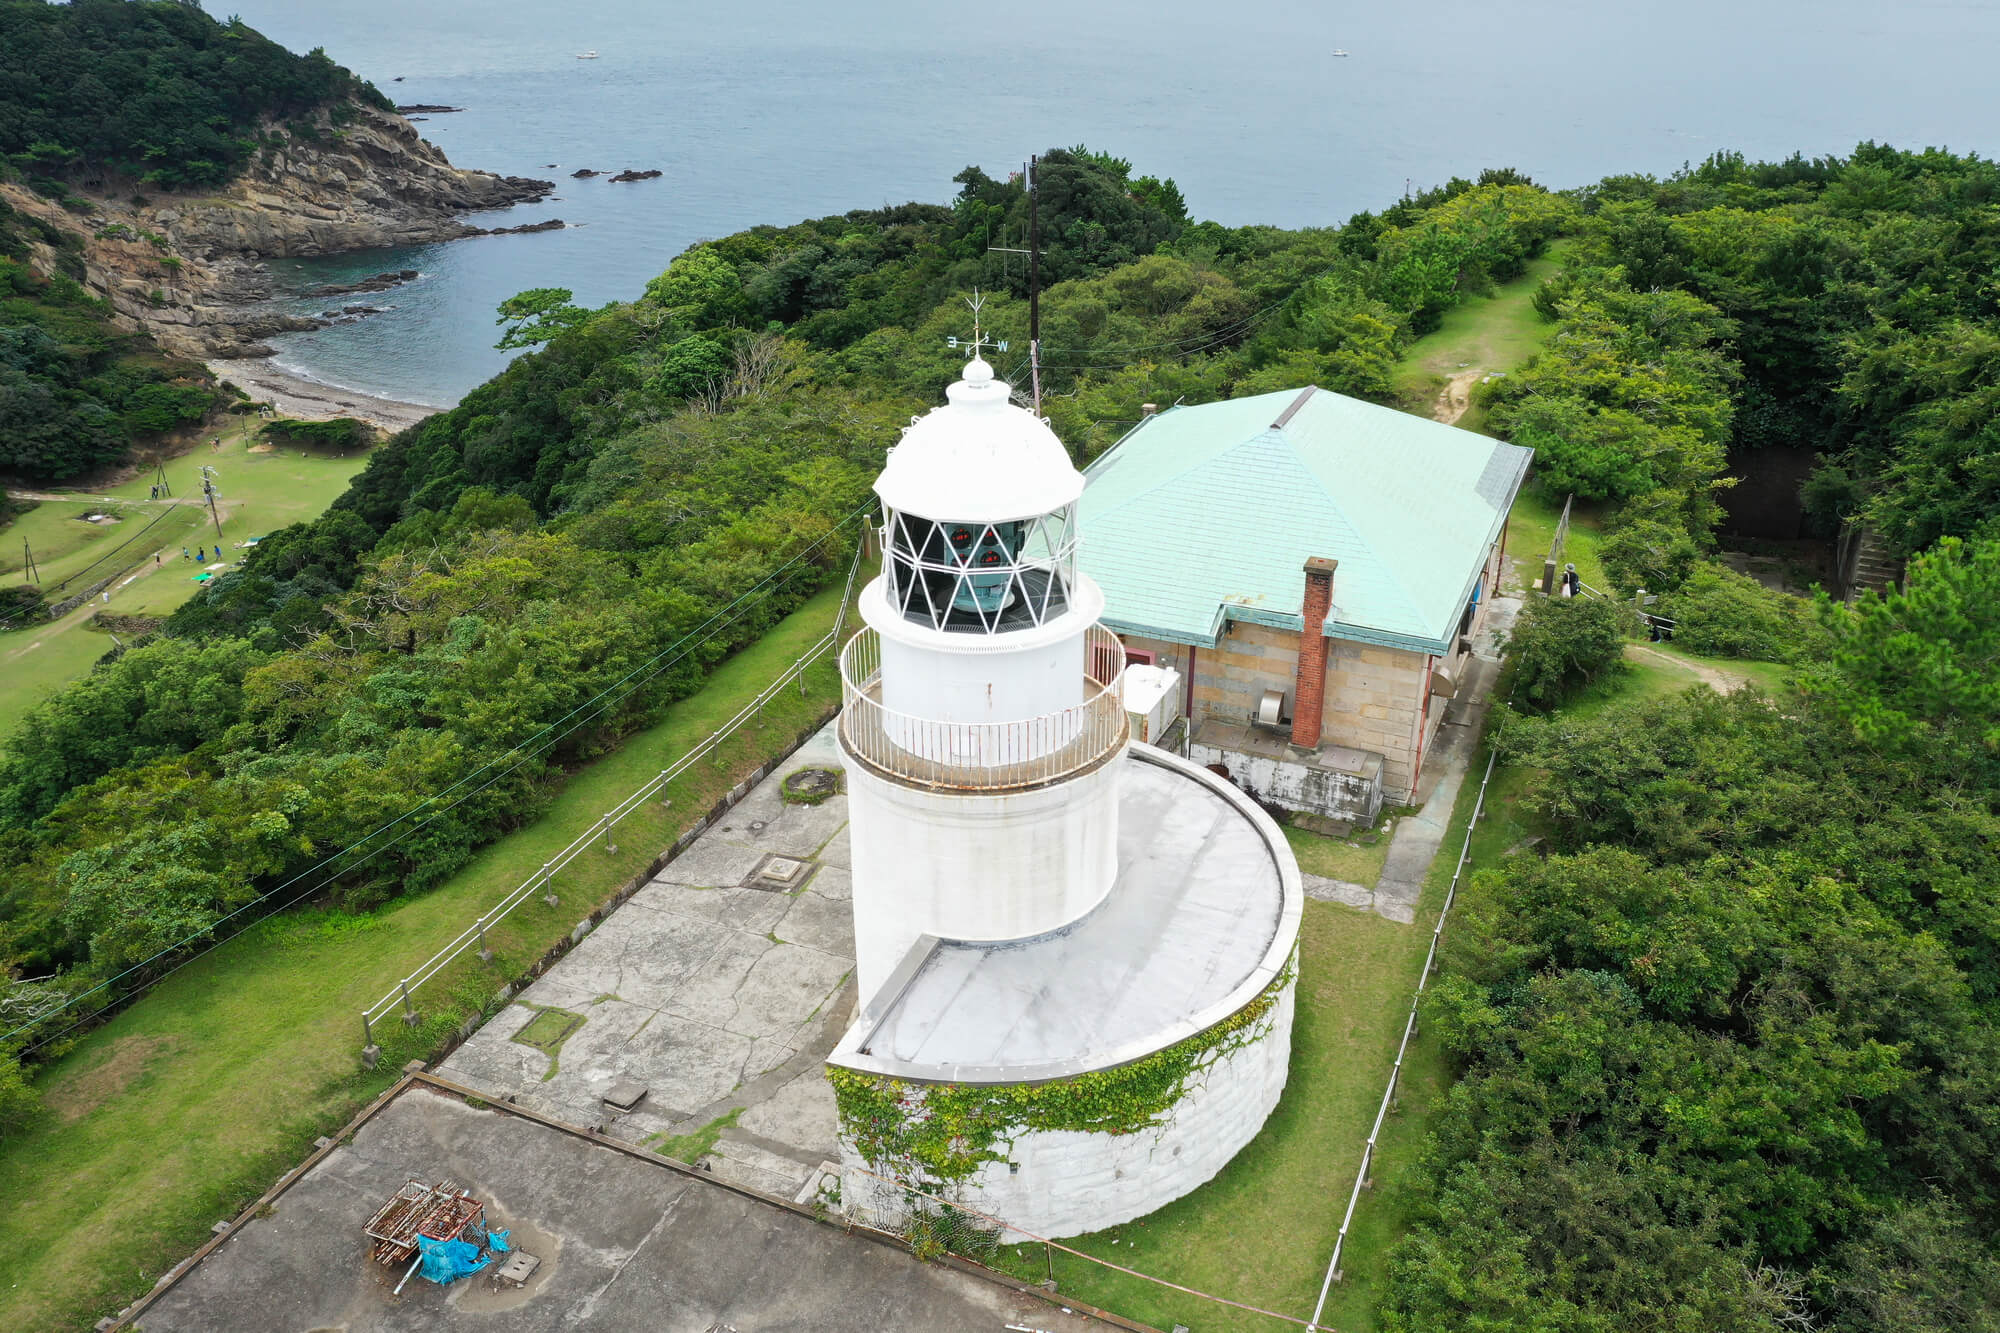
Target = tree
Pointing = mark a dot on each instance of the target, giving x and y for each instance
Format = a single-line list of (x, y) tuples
[(537, 315), (693, 367), (1562, 643), (1913, 669)]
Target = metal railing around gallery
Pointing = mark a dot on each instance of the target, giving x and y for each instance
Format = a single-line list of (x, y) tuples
[(983, 756)]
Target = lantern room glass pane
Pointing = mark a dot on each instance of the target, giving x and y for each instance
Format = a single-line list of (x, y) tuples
[(977, 578)]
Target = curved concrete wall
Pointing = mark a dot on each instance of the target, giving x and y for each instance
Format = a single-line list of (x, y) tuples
[(975, 866), (1070, 1183)]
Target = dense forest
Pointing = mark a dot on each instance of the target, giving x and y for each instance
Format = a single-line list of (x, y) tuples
[(1727, 1053), (76, 391), (153, 92), (1730, 1053)]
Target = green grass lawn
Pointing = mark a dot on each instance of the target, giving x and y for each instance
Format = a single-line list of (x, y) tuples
[(1357, 859), (186, 1106), (1770, 677), (35, 665), (1498, 332), (1261, 1231), (263, 489), (1532, 526)]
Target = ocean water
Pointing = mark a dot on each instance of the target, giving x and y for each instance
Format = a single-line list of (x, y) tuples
[(777, 110)]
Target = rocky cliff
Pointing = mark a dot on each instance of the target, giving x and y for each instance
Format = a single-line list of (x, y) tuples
[(188, 268)]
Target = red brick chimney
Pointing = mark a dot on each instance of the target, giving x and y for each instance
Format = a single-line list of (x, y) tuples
[(1309, 688)]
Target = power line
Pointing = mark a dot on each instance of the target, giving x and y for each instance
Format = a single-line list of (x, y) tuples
[(71, 578), (595, 704), (265, 900)]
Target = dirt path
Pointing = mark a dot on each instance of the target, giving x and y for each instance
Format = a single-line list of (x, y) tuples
[(1456, 396), (1722, 682)]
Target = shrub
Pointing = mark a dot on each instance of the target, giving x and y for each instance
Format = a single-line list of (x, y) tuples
[(339, 433), (1647, 553), (1562, 643), (1720, 613), (151, 409), (18, 605)]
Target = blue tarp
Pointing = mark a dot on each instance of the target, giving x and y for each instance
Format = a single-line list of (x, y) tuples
[(496, 1241), (446, 1261)]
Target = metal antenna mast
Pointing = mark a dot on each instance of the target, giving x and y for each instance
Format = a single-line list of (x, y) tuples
[(1034, 254)]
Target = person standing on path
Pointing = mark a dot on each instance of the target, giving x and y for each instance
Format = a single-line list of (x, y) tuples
[(184, 552)]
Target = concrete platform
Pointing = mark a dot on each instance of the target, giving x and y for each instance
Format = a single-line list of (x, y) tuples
[(1200, 919), (712, 996), (624, 1243)]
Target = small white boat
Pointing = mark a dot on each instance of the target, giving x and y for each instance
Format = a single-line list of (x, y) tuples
[(586, 55), (1341, 54)]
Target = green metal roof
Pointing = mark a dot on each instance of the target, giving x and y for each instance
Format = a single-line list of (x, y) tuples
[(1207, 514)]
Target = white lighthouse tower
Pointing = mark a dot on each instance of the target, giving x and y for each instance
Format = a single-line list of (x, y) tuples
[(1075, 949), (983, 724)]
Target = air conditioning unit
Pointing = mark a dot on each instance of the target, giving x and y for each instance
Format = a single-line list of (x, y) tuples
[(1152, 700)]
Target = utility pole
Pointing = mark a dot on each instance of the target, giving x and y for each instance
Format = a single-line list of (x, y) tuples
[(1034, 254), (208, 489), (160, 478), (28, 570), (1034, 285)]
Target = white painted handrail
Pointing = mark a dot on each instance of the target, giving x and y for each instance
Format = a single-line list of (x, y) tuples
[(983, 756)]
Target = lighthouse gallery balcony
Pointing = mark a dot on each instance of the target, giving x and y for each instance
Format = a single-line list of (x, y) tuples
[(983, 756)]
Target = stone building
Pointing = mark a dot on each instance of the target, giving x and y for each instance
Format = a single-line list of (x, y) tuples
[(1315, 569)]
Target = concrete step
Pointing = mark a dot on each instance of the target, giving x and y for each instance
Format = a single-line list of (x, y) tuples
[(757, 1168)]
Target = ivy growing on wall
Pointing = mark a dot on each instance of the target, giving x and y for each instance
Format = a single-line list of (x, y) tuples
[(944, 1132)]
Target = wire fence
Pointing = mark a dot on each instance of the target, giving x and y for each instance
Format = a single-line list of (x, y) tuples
[(543, 880), (1361, 1177), (382, 839)]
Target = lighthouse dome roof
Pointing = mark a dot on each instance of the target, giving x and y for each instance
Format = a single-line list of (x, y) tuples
[(979, 458)]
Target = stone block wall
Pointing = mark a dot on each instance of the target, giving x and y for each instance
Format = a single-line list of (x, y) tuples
[(1066, 1183), (1373, 698), (1231, 678)]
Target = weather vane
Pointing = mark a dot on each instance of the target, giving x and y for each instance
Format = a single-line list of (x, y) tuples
[(978, 339)]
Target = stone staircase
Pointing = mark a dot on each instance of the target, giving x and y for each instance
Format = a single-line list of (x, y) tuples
[(1873, 567)]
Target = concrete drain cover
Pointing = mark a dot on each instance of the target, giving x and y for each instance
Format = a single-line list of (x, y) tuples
[(520, 1266), (624, 1094), (779, 874)]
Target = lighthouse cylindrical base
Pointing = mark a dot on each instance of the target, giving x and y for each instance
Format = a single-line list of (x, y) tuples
[(972, 865)]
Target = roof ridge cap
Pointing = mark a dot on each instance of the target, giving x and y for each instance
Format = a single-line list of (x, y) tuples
[(1292, 408)]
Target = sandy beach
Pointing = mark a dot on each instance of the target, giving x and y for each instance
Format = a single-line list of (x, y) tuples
[(308, 400)]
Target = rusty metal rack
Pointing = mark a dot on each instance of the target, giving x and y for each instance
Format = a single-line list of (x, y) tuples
[(417, 1209)]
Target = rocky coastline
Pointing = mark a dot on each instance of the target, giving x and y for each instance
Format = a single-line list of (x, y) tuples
[(191, 270)]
